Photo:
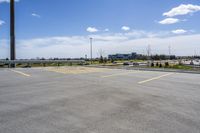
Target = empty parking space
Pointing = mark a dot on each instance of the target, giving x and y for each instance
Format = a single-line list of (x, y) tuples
[(95, 100)]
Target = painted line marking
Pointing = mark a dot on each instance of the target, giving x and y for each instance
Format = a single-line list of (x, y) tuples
[(119, 74), (155, 78), (21, 73)]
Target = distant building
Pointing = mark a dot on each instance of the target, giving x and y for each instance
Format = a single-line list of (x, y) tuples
[(123, 56)]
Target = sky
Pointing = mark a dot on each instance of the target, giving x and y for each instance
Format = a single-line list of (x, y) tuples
[(62, 28)]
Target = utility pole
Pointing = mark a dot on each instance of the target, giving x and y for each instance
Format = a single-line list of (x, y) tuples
[(148, 50), (169, 47), (148, 54), (91, 48), (195, 52), (12, 31)]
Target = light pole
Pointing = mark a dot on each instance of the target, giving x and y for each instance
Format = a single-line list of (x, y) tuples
[(148, 54), (12, 31), (91, 48)]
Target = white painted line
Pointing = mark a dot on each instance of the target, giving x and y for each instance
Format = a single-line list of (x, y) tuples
[(155, 78), (21, 73), (119, 74)]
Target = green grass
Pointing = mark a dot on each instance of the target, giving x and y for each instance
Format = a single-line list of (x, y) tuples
[(181, 67)]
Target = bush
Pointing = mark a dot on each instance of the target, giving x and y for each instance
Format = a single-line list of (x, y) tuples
[(105, 60), (101, 59), (166, 64), (157, 64), (160, 65), (152, 64)]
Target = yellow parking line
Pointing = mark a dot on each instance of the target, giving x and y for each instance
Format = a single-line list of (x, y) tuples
[(21, 73), (119, 74), (155, 78)]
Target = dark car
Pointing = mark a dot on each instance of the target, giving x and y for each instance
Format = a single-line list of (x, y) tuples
[(135, 64), (126, 63)]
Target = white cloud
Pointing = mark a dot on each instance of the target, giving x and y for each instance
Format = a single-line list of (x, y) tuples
[(111, 37), (7, 1), (179, 31), (78, 46), (125, 28), (106, 30), (35, 15), (2, 22), (92, 29), (182, 10), (169, 21)]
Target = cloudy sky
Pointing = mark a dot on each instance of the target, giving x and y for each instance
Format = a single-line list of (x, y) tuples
[(62, 28)]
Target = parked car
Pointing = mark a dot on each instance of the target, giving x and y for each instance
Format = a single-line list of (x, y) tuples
[(135, 64), (126, 63)]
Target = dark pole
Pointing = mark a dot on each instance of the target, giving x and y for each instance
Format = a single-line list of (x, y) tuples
[(91, 49), (12, 31)]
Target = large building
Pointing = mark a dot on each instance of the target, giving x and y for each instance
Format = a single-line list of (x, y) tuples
[(123, 56)]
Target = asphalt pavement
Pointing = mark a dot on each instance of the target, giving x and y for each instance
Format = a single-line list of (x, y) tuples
[(98, 100)]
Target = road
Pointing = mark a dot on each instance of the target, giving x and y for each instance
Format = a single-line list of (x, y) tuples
[(91, 100)]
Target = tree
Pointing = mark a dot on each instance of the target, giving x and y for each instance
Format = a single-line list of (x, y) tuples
[(152, 64), (166, 64), (112, 60), (162, 57), (157, 64), (101, 53), (156, 57), (101, 59), (105, 60)]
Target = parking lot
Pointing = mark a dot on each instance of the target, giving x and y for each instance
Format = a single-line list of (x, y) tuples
[(98, 100)]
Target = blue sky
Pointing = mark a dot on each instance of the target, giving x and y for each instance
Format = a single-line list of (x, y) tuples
[(117, 26)]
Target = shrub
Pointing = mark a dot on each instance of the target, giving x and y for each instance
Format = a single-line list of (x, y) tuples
[(101, 59), (166, 64), (157, 64), (105, 60)]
